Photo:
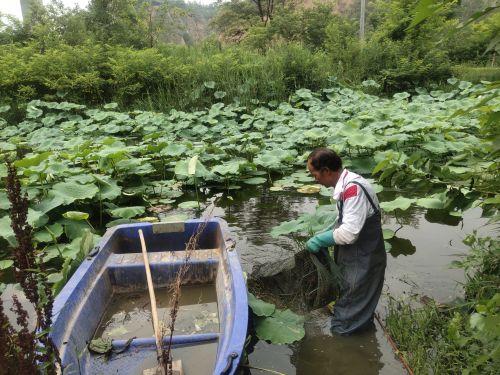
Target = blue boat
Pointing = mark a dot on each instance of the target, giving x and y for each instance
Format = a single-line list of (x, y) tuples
[(116, 267)]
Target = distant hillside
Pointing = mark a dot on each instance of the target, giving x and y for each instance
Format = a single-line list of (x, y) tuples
[(188, 22), (340, 6)]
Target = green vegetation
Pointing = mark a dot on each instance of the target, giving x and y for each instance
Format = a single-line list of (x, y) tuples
[(462, 338), (108, 122), (274, 325), (157, 79), (85, 169), (119, 51)]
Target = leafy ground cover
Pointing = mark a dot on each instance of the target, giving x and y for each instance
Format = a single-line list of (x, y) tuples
[(85, 169), (459, 338)]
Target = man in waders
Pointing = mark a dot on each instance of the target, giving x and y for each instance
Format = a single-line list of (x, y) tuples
[(357, 237)]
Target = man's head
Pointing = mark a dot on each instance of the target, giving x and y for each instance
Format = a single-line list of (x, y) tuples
[(325, 166)]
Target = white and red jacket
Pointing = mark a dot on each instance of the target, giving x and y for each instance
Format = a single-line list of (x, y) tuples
[(356, 207)]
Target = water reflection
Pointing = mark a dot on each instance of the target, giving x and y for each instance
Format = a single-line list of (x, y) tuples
[(366, 353), (401, 246), (442, 217), (430, 240)]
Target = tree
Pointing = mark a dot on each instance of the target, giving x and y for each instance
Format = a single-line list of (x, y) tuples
[(117, 22)]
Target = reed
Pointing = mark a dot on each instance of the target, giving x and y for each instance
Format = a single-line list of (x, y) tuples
[(174, 291)]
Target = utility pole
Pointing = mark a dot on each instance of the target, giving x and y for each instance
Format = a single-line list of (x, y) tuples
[(26, 7), (362, 20)]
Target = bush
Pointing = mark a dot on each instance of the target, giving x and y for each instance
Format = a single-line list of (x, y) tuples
[(159, 78)]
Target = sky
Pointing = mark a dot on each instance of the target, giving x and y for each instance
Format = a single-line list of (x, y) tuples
[(13, 7)]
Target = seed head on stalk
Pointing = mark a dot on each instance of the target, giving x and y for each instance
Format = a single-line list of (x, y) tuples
[(30, 349), (175, 291)]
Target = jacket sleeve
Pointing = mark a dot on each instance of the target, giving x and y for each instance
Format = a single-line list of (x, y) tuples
[(355, 212)]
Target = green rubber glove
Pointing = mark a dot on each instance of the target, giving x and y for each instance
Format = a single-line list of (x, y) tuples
[(323, 239)]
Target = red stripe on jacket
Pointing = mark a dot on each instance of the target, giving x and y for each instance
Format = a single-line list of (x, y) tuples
[(350, 192)]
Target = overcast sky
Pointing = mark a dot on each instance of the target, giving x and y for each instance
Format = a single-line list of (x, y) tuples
[(13, 7)]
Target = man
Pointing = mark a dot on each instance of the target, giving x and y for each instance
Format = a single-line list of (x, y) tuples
[(358, 240)]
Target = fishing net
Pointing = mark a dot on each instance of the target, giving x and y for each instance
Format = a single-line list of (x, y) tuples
[(311, 283), (327, 278)]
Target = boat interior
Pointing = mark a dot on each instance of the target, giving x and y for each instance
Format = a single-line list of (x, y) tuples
[(117, 271)]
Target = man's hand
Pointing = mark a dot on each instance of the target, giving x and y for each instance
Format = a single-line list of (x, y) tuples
[(323, 239)]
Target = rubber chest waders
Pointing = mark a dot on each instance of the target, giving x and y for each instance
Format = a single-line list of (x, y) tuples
[(362, 265)]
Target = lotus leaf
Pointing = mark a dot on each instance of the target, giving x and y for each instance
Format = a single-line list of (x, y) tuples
[(108, 188), (76, 215), (74, 229), (5, 264), (259, 307), (33, 112), (309, 189), (229, 168), (188, 204), (436, 147), (113, 223), (4, 202), (127, 212), (456, 213), (304, 93), (493, 200), (283, 327), (72, 191), (326, 192), (267, 161), (192, 165), (219, 94), (288, 227), (174, 218), (27, 162), (399, 203), (50, 233), (49, 203), (255, 180), (388, 233), (463, 85), (110, 106), (209, 84), (6, 146), (181, 169), (436, 201), (36, 218), (55, 277), (401, 95), (6, 231), (388, 246)]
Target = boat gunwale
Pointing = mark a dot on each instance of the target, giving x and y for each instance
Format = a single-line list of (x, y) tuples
[(96, 266)]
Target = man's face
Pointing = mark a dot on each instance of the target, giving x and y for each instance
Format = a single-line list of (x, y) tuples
[(325, 177)]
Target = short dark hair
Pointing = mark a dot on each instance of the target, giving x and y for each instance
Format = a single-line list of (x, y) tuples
[(325, 158)]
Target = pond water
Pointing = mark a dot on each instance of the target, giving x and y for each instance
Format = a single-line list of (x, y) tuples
[(129, 314), (426, 242), (419, 263)]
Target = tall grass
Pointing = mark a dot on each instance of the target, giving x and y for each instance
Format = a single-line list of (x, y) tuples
[(476, 74), (458, 339), (159, 78)]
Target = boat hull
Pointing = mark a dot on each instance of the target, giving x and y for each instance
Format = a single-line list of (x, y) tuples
[(118, 267)]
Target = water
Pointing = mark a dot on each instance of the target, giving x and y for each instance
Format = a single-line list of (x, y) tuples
[(422, 251), (419, 263), (129, 314)]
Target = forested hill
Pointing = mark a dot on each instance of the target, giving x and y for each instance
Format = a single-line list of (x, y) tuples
[(183, 23)]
